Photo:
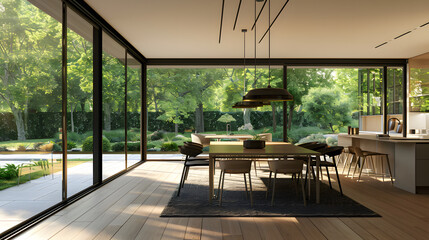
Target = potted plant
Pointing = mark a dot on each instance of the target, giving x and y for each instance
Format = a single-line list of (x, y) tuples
[(254, 143)]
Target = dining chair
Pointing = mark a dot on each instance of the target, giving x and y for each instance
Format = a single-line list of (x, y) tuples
[(235, 167), (191, 152), (331, 152), (285, 167)]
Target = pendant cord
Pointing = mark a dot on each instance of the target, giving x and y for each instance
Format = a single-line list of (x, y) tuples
[(244, 61), (255, 42), (269, 43)]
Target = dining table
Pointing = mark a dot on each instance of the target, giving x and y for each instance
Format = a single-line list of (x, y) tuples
[(271, 152)]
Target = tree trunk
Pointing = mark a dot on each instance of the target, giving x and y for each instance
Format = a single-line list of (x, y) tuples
[(19, 121), (71, 117), (246, 115), (176, 128), (199, 118), (332, 129), (291, 107), (107, 117), (273, 110)]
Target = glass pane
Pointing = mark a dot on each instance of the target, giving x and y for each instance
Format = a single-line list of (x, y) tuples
[(113, 106), (30, 109), (418, 121), (185, 101), (79, 103), (134, 73), (325, 103)]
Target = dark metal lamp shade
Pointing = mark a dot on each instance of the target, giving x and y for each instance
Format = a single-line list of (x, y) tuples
[(268, 94), (247, 104)]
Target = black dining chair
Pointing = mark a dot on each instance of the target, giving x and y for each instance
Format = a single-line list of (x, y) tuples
[(191, 152)]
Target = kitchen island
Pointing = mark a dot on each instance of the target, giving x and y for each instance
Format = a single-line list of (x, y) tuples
[(409, 157)]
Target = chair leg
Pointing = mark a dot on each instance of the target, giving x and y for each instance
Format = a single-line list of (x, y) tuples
[(245, 184), (268, 186), (274, 189), (251, 193), (254, 165), (345, 162), (361, 168), (388, 165), (182, 180), (218, 186), (351, 163), (329, 178), (356, 166), (338, 179), (186, 173), (303, 191), (382, 169), (221, 190)]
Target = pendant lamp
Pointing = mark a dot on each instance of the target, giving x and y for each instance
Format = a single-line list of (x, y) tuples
[(242, 104), (269, 93)]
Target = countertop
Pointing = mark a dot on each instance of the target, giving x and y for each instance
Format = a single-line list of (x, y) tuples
[(392, 139)]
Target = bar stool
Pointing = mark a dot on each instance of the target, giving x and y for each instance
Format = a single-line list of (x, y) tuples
[(364, 154), (235, 167), (286, 167)]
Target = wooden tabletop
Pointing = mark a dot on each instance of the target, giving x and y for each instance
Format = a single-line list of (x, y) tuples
[(271, 148)]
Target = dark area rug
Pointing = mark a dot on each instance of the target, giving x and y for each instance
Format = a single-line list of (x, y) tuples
[(193, 201)]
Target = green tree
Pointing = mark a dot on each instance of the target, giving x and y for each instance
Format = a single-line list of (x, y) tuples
[(327, 108), (30, 57)]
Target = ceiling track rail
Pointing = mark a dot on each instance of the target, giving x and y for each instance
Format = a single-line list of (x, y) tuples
[(236, 16), (269, 28), (221, 20), (259, 14)]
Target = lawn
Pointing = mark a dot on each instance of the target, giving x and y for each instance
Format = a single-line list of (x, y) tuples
[(38, 172)]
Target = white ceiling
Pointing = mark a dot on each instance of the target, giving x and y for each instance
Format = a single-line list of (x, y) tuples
[(305, 29)]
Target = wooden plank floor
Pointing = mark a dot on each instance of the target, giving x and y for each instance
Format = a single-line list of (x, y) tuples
[(129, 208)]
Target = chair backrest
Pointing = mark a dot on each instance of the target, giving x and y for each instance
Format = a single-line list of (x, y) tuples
[(235, 166), (268, 137), (201, 139), (358, 151), (316, 146), (286, 166), (189, 151), (193, 144), (333, 151), (351, 150)]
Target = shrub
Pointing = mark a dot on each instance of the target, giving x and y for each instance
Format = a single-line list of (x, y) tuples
[(157, 135), (296, 134), (22, 148), (150, 145), (133, 146), (57, 148), (37, 146), (331, 141), (169, 146), (133, 136), (71, 136), (118, 147), (88, 144), (3, 149), (117, 135), (70, 145), (47, 147), (10, 171), (313, 138)]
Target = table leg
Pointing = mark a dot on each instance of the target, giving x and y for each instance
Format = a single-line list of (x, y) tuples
[(308, 176), (317, 179), (211, 178)]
